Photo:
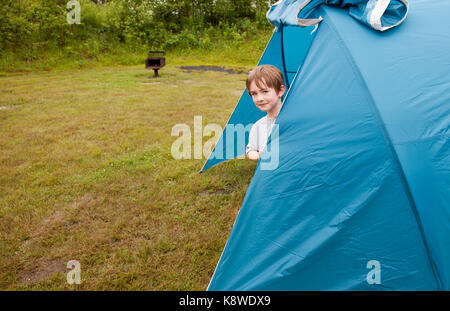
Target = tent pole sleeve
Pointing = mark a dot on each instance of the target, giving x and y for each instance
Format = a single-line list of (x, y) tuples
[(282, 56)]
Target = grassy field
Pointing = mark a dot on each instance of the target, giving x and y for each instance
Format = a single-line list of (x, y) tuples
[(86, 173)]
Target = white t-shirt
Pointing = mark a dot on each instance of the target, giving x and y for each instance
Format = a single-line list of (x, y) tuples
[(259, 134)]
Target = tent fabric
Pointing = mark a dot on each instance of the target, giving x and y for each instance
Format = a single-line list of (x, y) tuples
[(377, 14), (364, 166), (286, 50)]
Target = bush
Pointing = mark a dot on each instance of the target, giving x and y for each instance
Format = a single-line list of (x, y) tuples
[(31, 29)]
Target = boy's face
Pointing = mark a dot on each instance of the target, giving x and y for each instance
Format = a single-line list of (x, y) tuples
[(265, 98)]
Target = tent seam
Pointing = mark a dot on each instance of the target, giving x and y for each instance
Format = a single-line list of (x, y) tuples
[(391, 147)]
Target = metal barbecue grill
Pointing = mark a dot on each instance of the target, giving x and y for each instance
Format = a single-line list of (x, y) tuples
[(155, 60)]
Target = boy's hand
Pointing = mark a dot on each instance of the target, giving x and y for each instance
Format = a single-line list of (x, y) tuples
[(254, 155)]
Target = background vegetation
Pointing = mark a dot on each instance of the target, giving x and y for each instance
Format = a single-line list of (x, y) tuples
[(36, 34)]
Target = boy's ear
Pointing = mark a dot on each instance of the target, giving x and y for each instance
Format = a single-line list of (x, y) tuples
[(282, 90)]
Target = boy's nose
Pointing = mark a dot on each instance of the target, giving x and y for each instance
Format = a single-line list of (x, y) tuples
[(259, 97)]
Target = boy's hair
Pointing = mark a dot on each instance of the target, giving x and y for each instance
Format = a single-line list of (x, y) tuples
[(269, 75)]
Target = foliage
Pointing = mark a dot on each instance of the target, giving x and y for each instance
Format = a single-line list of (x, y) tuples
[(33, 28)]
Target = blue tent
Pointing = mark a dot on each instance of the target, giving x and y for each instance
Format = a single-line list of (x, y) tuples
[(360, 197)]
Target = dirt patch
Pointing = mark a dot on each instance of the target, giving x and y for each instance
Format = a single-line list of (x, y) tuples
[(57, 217), (150, 83), (10, 107), (214, 192), (44, 271), (43, 268), (211, 68), (85, 200), (60, 217)]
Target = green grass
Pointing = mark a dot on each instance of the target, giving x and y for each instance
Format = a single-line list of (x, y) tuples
[(86, 173)]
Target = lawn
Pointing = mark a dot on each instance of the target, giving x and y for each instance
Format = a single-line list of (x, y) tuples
[(86, 174)]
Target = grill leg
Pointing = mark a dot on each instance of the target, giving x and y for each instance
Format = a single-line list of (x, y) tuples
[(156, 72)]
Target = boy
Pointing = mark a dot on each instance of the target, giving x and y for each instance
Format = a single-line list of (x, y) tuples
[(265, 85)]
